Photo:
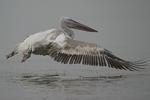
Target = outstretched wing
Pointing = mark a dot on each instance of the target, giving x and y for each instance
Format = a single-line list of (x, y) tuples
[(76, 52)]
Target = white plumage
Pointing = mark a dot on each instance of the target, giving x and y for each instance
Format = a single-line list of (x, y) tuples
[(62, 48)]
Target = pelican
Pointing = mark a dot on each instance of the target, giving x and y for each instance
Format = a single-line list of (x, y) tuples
[(60, 46)]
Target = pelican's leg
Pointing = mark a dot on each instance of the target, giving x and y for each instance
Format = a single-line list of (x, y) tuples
[(10, 55), (16, 51), (26, 56)]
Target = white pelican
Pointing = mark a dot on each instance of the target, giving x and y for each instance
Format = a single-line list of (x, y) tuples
[(62, 48)]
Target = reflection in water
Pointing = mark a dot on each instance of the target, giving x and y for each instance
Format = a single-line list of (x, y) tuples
[(64, 87), (68, 85), (56, 81), (46, 78), (40, 80)]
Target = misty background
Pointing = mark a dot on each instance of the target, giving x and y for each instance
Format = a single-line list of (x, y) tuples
[(123, 25)]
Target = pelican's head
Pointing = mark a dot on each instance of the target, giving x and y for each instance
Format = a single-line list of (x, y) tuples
[(65, 21)]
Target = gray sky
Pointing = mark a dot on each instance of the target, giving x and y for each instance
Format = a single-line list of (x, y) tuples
[(123, 25)]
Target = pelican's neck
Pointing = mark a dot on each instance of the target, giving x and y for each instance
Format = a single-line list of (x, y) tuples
[(68, 32)]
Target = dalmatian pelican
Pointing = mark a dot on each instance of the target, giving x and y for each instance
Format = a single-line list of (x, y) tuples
[(60, 46)]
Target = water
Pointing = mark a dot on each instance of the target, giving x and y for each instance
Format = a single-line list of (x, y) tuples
[(55, 82)]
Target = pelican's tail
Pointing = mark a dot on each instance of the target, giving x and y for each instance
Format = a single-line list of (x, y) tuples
[(26, 50), (16, 51)]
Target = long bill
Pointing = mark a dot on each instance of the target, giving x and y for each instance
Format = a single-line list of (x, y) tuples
[(76, 25)]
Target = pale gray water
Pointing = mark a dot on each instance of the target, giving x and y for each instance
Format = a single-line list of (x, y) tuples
[(124, 29)]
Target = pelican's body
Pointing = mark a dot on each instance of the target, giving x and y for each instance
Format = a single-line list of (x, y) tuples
[(61, 46)]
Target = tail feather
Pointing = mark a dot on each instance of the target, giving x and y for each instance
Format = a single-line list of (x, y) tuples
[(16, 51), (21, 47)]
